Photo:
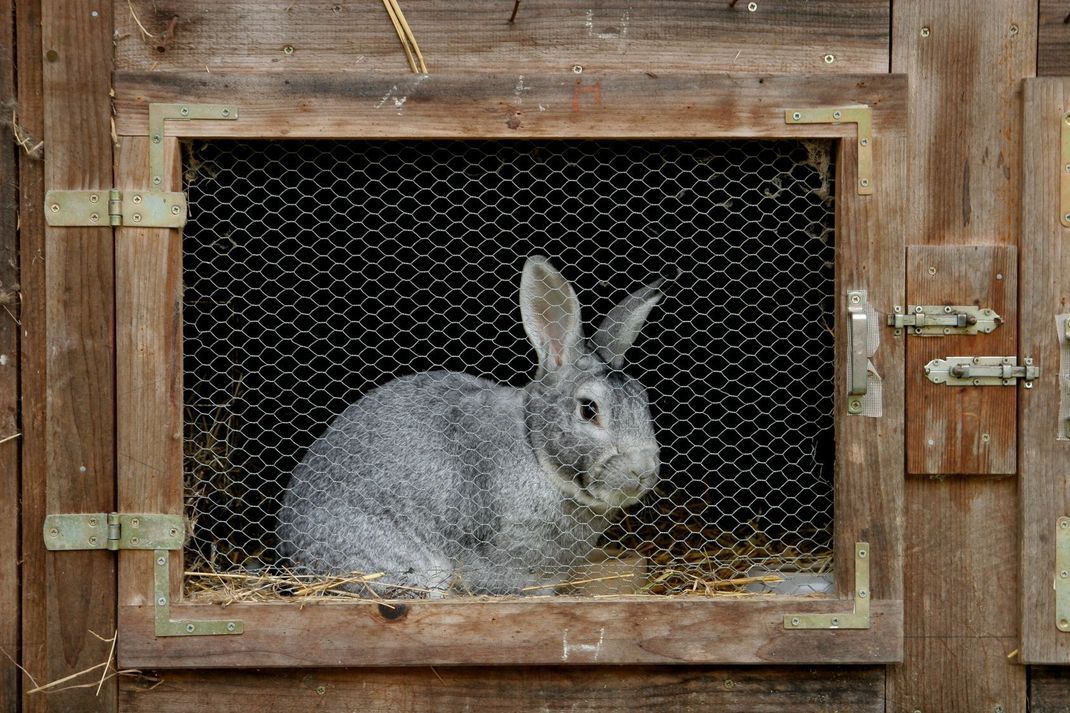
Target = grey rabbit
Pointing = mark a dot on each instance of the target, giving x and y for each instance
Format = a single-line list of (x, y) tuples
[(444, 481)]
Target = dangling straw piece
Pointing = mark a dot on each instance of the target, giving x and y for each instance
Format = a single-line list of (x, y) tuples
[(408, 40)]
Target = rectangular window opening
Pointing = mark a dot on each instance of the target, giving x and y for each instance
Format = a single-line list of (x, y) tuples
[(318, 272)]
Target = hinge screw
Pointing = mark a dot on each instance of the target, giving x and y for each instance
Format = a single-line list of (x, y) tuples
[(54, 207), (136, 217), (93, 217), (136, 199), (864, 182), (93, 197), (161, 561), (175, 210), (53, 532)]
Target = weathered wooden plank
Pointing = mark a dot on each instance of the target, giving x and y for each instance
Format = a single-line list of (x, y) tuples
[(986, 679), (942, 438), (869, 451), (148, 355), (966, 63), (1053, 39), (583, 689), (960, 636), (72, 595), (1045, 292), (552, 631), (1049, 690), (340, 105), (9, 383), (32, 347), (777, 36), (966, 59)]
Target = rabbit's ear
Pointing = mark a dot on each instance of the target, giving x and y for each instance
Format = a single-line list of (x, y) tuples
[(551, 314), (621, 326)]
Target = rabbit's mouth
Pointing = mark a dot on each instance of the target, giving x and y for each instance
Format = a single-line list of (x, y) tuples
[(620, 481)]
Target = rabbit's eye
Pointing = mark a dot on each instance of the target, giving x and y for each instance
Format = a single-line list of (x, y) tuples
[(588, 410)]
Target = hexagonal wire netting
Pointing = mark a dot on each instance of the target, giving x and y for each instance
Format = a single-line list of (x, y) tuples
[(316, 272)]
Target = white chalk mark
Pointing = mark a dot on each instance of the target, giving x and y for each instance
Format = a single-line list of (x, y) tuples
[(397, 96), (592, 650), (588, 22)]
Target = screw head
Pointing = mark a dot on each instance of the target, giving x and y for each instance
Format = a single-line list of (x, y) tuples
[(156, 138), (230, 626), (54, 207), (835, 621), (225, 112), (94, 198), (863, 141), (136, 217), (862, 594), (53, 532), (92, 540), (190, 628), (931, 270), (925, 32), (175, 210), (161, 601), (837, 115), (795, 621), (1014, 29), (93, 217), (862, 554), (864, 182), (577, 69), (797, 116), (752, 6), (1067, 217), (161, 561), (184, 111), (136, 199), (288, 49), (830, 58)]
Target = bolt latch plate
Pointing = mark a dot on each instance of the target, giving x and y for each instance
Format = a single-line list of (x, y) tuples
[(130, 209), (114, 531), (858, 618), (944, 320), (982, 371)]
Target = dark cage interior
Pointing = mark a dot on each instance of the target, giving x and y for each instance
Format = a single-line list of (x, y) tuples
[(316, 271)]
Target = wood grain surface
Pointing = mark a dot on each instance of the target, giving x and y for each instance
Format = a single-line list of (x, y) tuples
[(778, 36)]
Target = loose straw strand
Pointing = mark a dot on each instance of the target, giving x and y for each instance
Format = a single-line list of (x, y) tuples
[(408, 40)]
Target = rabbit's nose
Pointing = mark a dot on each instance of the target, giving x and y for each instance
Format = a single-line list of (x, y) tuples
[(646, 463)]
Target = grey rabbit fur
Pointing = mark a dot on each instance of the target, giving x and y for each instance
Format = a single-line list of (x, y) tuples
[(445, 481)]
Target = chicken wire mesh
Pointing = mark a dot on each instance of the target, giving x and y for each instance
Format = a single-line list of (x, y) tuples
[(317, 272)]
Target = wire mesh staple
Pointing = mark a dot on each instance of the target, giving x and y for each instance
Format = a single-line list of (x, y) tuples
[(318, 272)]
